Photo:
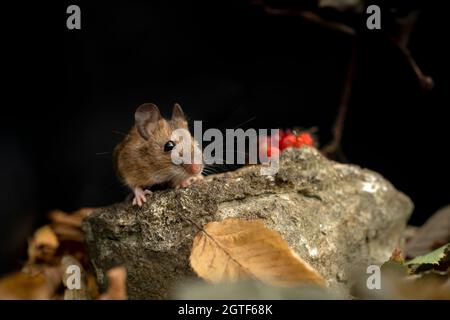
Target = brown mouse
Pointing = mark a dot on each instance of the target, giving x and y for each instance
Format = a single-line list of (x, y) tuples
[(144, 159)]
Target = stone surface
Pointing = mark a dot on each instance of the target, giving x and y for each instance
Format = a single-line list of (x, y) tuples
[(337, 217)]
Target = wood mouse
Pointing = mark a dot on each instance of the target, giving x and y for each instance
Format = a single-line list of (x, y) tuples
[(144, 159)]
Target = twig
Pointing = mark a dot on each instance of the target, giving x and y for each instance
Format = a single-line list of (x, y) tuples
[(425, 82), (333, 149), (309, 16)]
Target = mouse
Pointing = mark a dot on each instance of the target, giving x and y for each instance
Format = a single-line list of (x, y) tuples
[(143, 158)]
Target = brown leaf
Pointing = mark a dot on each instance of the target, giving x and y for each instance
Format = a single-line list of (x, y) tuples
[(74, 219), (43, 245), (65, 232), (45, 236), (117, 285), (234, 249), (23, 286)]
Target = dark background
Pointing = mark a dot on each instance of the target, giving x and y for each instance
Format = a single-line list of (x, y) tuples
[(69, 94)]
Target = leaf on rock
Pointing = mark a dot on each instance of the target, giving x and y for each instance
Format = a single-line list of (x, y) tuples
[(235, 249)]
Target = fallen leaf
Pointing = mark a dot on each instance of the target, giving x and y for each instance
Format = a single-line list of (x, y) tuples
[(23, 286), (236, 249), (50, 251), (433, 259), (43, 245), (433, 234), (116, 285), (19, 285), (45, 236), (65, 232), (74, 219)]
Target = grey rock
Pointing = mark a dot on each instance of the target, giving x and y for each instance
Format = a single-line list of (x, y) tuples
[(337, 217)]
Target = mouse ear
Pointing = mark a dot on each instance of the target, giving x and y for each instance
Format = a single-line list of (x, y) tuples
[(177, 112), (146, 119)]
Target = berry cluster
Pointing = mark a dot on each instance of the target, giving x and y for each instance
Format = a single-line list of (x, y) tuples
[(286, 139)]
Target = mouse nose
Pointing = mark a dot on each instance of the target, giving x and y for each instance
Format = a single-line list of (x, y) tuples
[(195, 168)]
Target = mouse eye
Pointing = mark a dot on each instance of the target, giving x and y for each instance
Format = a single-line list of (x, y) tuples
[(169, 146)]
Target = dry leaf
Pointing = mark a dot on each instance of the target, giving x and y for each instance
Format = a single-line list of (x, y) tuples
[(45, 236), (23, 286), (68, 226), (43, 245), (234, 249), (19, 285), (117, 278), (41, 276), (74, 219), (65, 232)]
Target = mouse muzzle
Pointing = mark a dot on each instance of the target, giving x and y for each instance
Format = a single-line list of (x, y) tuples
[(194, 168)]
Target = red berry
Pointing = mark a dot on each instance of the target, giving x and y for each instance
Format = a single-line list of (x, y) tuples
[(287, 141), (304, 139)]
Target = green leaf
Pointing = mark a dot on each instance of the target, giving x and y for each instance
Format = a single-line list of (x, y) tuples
[(435, 257)]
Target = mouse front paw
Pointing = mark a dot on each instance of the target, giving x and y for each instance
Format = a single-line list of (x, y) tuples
[(189, 181), (139, 196)]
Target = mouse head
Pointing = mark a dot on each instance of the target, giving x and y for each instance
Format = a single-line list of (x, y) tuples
[(173, 154)]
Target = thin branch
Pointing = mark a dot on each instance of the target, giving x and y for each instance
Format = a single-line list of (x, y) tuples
[(308, 16), (425, 82), (333, 149)]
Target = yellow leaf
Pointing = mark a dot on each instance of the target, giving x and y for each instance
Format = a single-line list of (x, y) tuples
[(22, 286), (43, 245), (45, 236), (235, 249)]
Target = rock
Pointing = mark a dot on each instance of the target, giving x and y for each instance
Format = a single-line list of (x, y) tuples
[(337, 217)]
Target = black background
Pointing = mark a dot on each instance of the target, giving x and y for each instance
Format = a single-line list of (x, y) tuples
[(69, 94)]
